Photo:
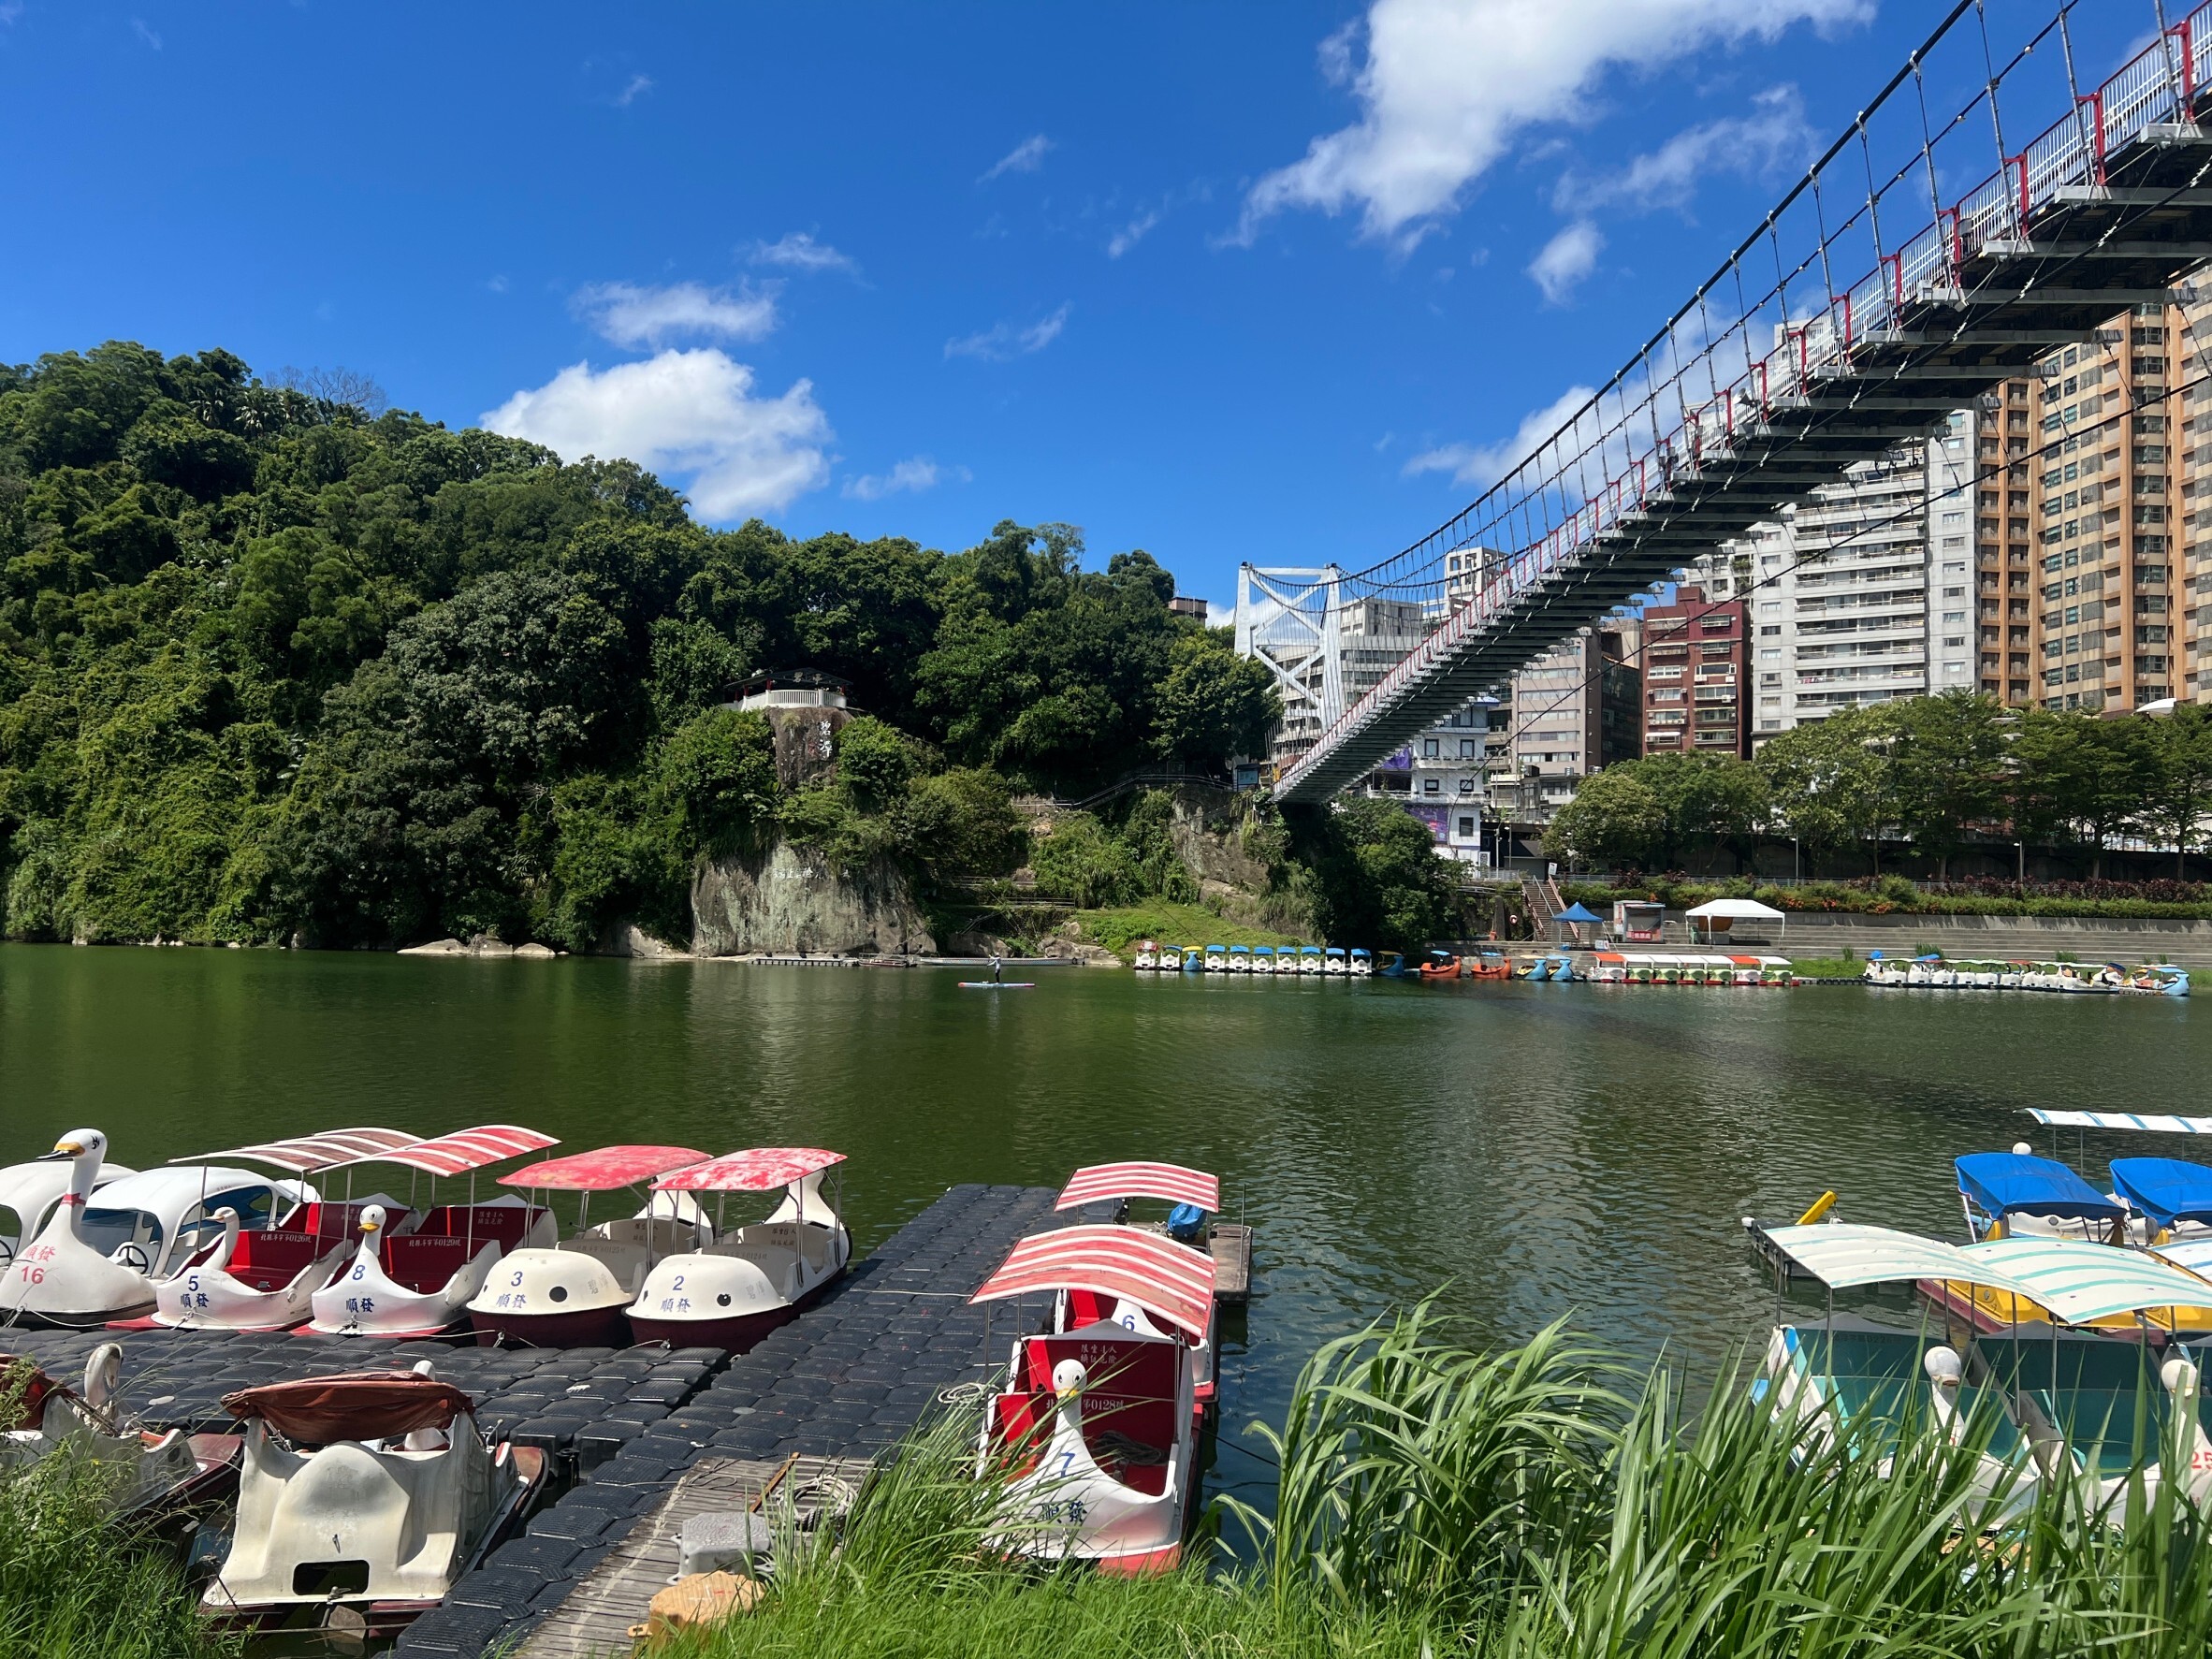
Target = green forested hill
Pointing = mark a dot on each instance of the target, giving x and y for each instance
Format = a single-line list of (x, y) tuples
[(276, 667)]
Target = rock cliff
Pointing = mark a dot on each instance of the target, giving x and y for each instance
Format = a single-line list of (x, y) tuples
[(796, 901)]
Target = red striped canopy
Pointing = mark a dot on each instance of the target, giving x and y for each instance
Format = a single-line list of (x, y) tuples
[(305, 1154), (761, 1168), (604, 1170), (1172, 1182), (463, 1150), (1167, 1280)]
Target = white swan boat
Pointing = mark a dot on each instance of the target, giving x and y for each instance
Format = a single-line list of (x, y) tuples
[(262, 1278), (93, 1263), (153, 1473), (419, 1281), (370, 1492), (1096, 1427), (29, 1192), (734, 1291), (577, 1294)]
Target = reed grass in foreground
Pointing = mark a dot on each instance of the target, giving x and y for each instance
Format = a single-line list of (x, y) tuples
[(76, 1584), (1543, 1502)]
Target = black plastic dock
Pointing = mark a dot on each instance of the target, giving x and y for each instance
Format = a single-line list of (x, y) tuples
[(846, 1378)]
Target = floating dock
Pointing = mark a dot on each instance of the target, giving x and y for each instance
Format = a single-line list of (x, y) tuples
[(624, 1429)]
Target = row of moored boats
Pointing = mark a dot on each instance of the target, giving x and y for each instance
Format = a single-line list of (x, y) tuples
[(1940, 973), (2069, 1328), (1617, 968), (357, 1499), (1325, 961)]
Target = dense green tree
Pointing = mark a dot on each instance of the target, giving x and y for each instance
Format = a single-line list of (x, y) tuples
[(1615, 821), (1950, 770), (1830, 780), (2179, 797), (1214, 703)]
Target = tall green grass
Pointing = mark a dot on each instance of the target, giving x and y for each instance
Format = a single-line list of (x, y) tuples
[(75, 1583), (1543, 1502)]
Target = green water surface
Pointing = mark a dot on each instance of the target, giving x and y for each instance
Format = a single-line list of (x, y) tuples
[(1538, 1149)]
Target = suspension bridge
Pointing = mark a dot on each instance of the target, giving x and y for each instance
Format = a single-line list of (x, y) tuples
[(1826, 338)]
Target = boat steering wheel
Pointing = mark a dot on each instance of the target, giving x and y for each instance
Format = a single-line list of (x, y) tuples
[(132, 1255)]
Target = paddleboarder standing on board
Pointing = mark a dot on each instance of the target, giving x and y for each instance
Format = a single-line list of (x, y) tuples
[(996, 973)]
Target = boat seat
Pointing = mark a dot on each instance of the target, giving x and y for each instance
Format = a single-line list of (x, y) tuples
[(1085, 1307), (504, 1225), (425, 1263), (332, 1222), (269, 1259)]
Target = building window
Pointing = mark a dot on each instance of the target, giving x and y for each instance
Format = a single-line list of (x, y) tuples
[(1432, 786), (1431, 749), (1466, 826), (1467, 749), (1466, 786)]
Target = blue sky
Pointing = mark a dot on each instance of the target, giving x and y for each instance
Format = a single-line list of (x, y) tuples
[(1270, 282)]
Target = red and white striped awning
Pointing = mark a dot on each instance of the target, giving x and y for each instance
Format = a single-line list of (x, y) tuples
[(1167, 1280), (761, 1168), (1172, 1182), (604, 1170), (305, 1154), (463, 1150)]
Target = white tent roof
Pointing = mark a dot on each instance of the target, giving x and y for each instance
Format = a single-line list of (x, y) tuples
[(1841, 1254), (1736, 909), (2081, 1282)]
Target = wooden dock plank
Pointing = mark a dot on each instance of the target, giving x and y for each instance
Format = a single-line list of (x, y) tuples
[(596, 1618), (1230, 1243)]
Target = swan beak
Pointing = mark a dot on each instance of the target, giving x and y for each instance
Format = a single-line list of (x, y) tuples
[(368, 1226), (72, 1148)]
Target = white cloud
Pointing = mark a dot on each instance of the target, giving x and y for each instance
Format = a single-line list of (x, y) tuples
[(1774, 138), (1446, 85), (139, 28), (1025, 158), (633, 315), (1129, 235), (634, 89), (909, 476), (799, 251), (1002, 341), (1562, 262), (1486, 463), (686, 413), (497, 283)]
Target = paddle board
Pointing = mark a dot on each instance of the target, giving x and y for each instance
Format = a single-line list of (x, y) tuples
[(997, 985)]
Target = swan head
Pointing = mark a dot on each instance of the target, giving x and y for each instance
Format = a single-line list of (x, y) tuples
[(84, 1143), (1942, 1366), (1068, 1379), (371, 1223)]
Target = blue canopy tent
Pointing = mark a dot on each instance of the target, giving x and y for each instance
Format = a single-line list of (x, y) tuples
[(2167, 1189), (2001, 1183), (1576, 915)]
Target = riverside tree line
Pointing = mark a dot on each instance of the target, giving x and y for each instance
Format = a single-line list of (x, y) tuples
[(1946, 773), (277, 664)]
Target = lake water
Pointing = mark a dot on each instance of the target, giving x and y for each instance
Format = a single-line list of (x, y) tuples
[(1536, 1150)]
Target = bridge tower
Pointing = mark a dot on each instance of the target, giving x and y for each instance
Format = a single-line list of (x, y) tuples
[(1291, 618)]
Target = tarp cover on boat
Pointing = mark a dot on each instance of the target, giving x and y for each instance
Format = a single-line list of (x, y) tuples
[(1172, 1182), (761, 1168), (2081, 1282), (463, 1150), (1842, 1254), (604, 1170), (2017, 1183), (2157, 1122), (1167, 1280), (357, 1405), (2166, 1189), (304, 1154)]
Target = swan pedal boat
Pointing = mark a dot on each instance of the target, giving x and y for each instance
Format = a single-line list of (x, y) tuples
[(262, 1277), (577, 1293), (30, 1191), (732, 1290), (1194, 1197), (1095, 1428), (363, 1498), (419, 1281), (93, 1264), (155, 1474)]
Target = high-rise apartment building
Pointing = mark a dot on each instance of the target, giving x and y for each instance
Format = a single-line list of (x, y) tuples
[(1695, 675)]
